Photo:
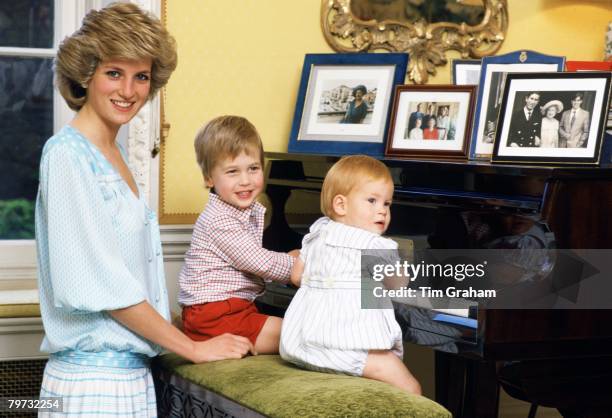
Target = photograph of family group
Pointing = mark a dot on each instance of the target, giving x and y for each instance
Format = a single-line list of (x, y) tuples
[(551, 119), (431, 120), (342, 103)]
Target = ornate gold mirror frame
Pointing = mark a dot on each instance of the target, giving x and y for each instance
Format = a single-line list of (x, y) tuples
[(426, 43)]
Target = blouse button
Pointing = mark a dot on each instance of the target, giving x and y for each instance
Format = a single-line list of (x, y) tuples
[(150, 259)]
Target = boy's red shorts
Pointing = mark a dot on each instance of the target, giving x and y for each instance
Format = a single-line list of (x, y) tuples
[(234, 315)]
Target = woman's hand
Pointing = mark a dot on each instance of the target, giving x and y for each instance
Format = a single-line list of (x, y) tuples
[(226, 346), (148, 323)]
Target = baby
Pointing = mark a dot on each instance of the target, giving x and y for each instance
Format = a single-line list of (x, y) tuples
[(325, 329)]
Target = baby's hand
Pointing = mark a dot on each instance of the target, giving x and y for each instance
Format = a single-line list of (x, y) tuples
[(296, 281), (294, 253)]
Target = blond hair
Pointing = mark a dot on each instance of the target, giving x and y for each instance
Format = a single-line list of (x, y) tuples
[(118, 31), (348, 173), (225, 137)]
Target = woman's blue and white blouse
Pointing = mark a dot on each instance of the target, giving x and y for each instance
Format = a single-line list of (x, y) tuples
[(98, 247)]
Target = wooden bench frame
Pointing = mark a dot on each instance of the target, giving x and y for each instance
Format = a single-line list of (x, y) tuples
[(179, 398)]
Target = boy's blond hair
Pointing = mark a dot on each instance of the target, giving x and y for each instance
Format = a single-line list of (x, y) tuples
[(225, 137), (346, 174)]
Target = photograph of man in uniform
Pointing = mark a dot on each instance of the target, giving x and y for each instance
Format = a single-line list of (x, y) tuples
[(525, 123)]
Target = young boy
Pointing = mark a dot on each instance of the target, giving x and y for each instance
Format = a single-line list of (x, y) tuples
[(226, 265)]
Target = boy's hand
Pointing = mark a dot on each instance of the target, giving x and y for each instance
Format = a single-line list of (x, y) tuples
[(294, 253), (226, 346)]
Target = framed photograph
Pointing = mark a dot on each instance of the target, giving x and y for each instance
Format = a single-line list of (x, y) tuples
[(466, 72), (490, 90), (574, 66), (555, 118), (343, 103), (431, 121)]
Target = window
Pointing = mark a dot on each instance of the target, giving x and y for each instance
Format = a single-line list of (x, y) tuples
[(30, 111), (26, 108)]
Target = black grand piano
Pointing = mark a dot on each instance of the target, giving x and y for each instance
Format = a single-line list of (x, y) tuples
[(556, 358)]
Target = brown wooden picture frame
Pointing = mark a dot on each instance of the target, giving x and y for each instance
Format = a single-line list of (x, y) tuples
[(445, 112)]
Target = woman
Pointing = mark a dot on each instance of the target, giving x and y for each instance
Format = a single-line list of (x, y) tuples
[(103, 296), (358, 108), (417, 131), (431, 132), (549, 133)]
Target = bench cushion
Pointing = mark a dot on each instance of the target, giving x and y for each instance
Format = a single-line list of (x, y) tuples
[(270, 386)]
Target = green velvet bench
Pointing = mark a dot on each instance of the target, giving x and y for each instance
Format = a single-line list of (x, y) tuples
[(266, 386)]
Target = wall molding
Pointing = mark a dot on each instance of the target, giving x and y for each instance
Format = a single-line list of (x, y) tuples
[(18, 260), (143, 133), (20, 339), (175, 241)]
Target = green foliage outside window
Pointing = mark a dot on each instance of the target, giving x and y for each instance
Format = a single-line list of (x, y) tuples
[(16, 219)]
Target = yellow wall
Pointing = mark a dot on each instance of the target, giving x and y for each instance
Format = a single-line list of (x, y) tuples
[(245, 57)]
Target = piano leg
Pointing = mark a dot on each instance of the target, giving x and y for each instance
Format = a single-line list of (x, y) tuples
[(467, 388), (279, 236), (482, 394), (450, 387)]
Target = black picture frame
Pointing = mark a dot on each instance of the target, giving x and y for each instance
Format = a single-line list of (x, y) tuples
[(523, 138)]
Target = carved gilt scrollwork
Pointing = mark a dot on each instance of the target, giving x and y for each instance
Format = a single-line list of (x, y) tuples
[(426, 43)]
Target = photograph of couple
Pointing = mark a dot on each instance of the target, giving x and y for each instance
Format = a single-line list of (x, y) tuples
[(431, 120), (559, 119)]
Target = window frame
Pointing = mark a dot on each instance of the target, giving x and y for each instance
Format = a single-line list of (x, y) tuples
[(18, 257)]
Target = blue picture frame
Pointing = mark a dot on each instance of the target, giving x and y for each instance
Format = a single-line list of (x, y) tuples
[(326, 81), (490, 93)]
